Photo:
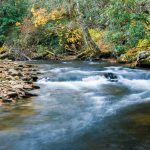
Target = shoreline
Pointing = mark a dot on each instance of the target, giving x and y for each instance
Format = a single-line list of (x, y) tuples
[(17, 78)]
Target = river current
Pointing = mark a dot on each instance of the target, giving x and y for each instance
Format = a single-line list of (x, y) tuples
[(79, 109)]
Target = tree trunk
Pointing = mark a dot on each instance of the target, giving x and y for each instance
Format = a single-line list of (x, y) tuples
[(90, 44)]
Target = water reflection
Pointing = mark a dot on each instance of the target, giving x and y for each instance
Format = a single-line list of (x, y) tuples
[(13, 116)]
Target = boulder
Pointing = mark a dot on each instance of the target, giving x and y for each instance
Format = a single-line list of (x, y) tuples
[(111, 77), (143, 59)]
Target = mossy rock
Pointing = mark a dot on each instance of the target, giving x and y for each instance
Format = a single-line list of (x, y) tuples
[(143, 59)]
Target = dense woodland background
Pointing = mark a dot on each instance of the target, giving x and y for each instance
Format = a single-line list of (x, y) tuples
[(74, 29)]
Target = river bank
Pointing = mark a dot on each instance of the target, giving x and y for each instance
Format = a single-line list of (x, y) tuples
[(16, 81), (17, 78)]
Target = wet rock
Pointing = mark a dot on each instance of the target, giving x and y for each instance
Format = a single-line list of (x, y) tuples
[(36, 87), (111, 77), (30, 94), (7, 101), (34, 78)]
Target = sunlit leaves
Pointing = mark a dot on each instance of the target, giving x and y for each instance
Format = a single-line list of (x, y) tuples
[(41, 16)]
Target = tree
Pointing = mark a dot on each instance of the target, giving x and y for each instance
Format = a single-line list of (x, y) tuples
[(91, 49), (11, 12)]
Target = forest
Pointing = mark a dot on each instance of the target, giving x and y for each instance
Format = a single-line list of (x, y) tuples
[(75, 29)]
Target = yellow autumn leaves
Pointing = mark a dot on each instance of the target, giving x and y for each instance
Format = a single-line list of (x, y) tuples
[(41, 16), (69, 38), (73, 35), (18, 24), (143, 43)]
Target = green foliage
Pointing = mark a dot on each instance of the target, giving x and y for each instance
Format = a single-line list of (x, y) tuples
[(126, 25), (11, 11)]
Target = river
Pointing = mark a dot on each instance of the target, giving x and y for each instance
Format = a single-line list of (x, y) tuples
[(79, 109)]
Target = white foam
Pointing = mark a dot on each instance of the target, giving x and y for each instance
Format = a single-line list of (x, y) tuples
[(136, 84), (92, 82), (59, 70), (81, 72)]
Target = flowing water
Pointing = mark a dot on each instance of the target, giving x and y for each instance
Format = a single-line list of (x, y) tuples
[(79, 109)]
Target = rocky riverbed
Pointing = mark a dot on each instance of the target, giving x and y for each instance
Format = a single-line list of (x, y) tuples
[(16, 81)]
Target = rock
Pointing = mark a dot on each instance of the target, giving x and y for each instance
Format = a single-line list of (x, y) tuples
[(13, 72), (26, 78), (18, 86), (28, 86), (28, 66), (36, 87), (111, 77), (16, 80), (12, 94), (7, 100), (30, 94), (34, 78), (20, 66), (33, 73), (38, 73), (143, 59)]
